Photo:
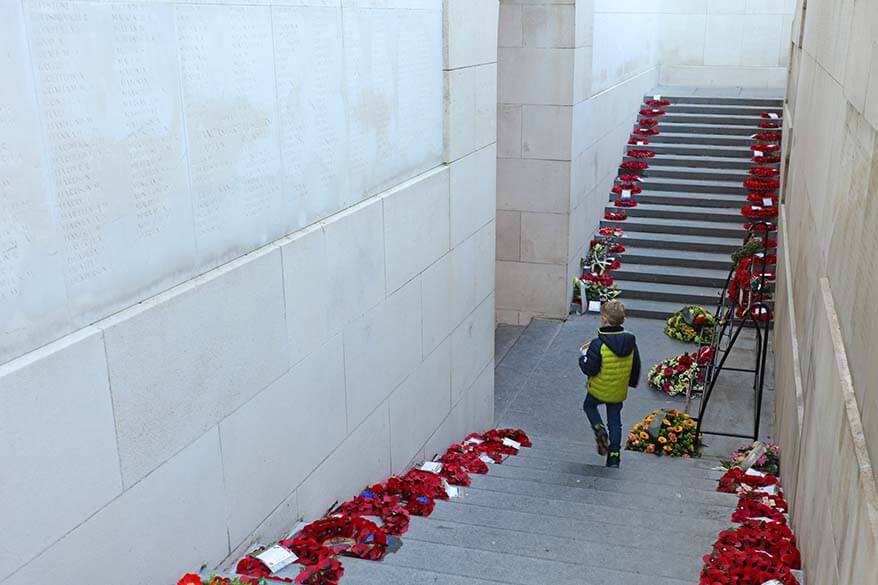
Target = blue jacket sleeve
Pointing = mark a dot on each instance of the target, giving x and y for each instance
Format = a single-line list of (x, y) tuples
[(590, 363), (635, 369)]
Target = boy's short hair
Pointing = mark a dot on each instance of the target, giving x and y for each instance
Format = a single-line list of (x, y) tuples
[(613, 312)]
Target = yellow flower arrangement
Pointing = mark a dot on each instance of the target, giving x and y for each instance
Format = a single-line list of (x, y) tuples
[(674, 437)]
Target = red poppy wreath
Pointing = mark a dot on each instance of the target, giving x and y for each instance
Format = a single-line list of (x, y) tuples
[(759, 212), (765, 147), (646, 131), (764, 172), (770, 125), (633, 187), (615, 216), (633, 165), (641, 153), (652, 112), (658, 103), (768, 136), (760, 184), (766, 160), (348, 535), (638, 142)]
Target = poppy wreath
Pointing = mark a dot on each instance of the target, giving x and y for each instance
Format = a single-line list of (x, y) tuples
[(759, 212), (759, 198), (646, 131), (669, 433), (466, 458), (761, 184), (611, 231), (617, 249), (673, 376), (652, 112), (750, 507), (691, 324), (455, 474), (250, 566), (768, 116), (638, 141), (394, 518), (598, 288), (764, 172), (770, 125), (193, 579), (615, 216), (414, 497), (658, 103), (427, 483), (614, 264), (648, 123), (765, 148), (766, 160), (603, 279), (735, 477), (768, 136), (629, 178), (326, 572), (641, 154), (760, 228), (752, 247), (517, 435), (734, 567), (753, 538), (633, 187), (633, 165), (348, 535)]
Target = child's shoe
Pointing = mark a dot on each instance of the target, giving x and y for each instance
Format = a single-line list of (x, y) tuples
[(602, 439), (613, 460)]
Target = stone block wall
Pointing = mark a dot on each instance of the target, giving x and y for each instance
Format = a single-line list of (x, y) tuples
[(825, 334), (320, 316)]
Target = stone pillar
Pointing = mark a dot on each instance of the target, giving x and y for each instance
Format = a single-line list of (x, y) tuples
[(544, 62)]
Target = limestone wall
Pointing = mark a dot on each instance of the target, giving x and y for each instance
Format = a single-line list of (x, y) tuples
[(247, 268), (827, 324), (725, 43)]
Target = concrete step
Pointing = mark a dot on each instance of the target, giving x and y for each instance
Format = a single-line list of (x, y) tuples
[(722, 129), (681, 242), (647, 309), (719, 187), (361, 572), (721, 109), (693, 173), (487, 508), (679, 227), (679, 259), (734, 202), (701, 162), (678, 294), (668, 137), (738, 152), (554, 448), (510, 566), (677, 117), (706, 214), (704, 277), (775, 103), (565, 550)]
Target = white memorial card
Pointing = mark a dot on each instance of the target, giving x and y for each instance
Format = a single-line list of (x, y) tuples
[(594, 306), (626, 193), (276, 558), (510, 443), (773, 116), (657, 97), (473, 441), (485, 459), (758, 153), (767, 202), (431, 466)]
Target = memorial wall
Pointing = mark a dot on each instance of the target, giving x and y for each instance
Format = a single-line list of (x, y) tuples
[(246, 268)]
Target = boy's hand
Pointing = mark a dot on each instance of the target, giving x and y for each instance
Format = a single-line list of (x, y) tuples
[(583, 349)]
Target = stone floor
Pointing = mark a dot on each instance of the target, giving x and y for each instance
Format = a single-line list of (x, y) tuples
[(539, 387)]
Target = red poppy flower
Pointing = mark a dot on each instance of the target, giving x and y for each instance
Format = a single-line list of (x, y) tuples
[(633, 165), (668, 372), (190, 579), (686, 360), (252, 567), (327, 572), (641, 154)]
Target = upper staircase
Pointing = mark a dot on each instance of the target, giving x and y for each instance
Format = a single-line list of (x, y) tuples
[(554, 515), (687, 222)]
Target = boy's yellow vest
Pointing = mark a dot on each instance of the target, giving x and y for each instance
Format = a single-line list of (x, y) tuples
[(611, 383)]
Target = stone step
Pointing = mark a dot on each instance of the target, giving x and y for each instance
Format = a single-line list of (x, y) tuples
[(721, 109), (701, 162), (695, 151), (706, 214), (362, 572), (719, 187), (704, 277), (566, 550), (677, 294), (775, 103), (650, 197), (679, 227), (693, 173), (554, 448), (635, 497), (679, 259), (510, 566), (647, 309), (681, 242), (668, 137), (711, 119), (677, 128), (488, 508)]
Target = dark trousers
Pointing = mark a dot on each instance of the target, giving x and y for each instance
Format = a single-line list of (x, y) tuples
[(614, 419)]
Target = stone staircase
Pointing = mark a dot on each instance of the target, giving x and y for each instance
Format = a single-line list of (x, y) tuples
[(688, 220), (554, 515)]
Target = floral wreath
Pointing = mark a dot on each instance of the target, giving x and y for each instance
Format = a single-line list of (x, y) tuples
[(765, 148), (652, 112), (766, 159), (769, 125), (348, 535), (193, 579), (669, 433), (760, 184), (626, 203), (615, 216), (633, 165), (326, 572), (764, 172), (646, 132), (750, 507), (768, 136), (633, 187), (759, 198), (759, 211), (768, 115), (733, 567), (736, 477), (641, 154), (648, 122), (773, 538), (691, 324), (673, 376), (629, 178), (611, 231), (394, 517), (760, 227), (638, 141), (653, 103)]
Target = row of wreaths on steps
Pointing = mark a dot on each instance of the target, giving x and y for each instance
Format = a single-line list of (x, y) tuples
[(747, 296), (369, 525)]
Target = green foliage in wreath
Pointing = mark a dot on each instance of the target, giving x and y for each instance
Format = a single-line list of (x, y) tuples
[(691, 324)]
